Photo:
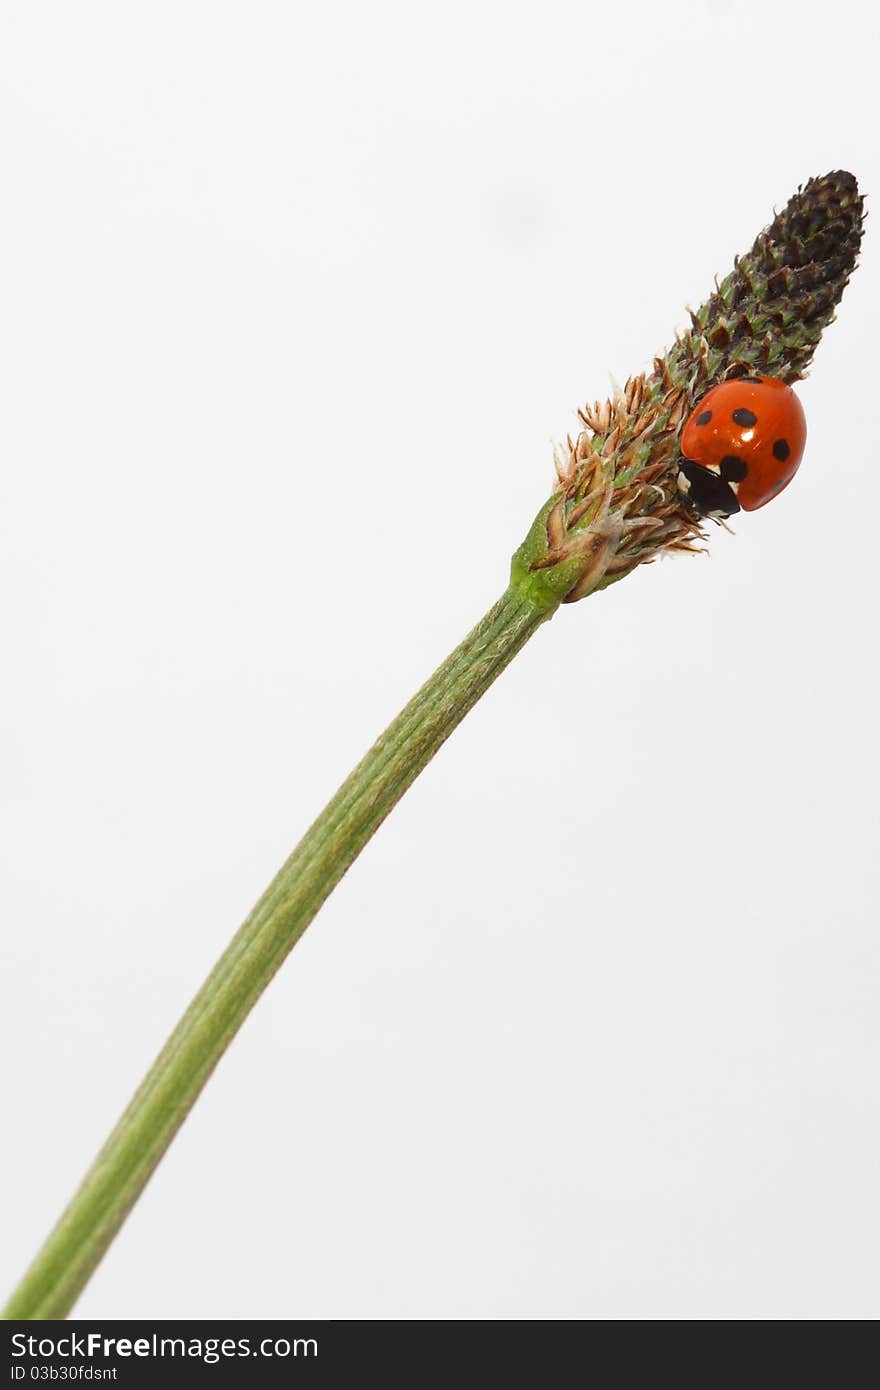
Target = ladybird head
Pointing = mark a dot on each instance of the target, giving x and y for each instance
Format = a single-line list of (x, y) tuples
[(708, 491)]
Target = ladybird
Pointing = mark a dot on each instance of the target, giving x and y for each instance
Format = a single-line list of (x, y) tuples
[(741, 445)]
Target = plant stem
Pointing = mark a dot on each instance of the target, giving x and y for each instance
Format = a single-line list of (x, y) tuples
[(123, 1167)]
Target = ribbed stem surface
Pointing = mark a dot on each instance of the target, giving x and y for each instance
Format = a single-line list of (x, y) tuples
[(171, 1087)]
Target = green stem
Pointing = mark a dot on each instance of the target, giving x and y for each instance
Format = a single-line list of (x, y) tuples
[(123, 1167)]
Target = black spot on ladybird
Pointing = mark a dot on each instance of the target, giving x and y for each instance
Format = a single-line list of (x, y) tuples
[(733, 470), (745, 417), (756, 380), (704, 417), (781, 449)]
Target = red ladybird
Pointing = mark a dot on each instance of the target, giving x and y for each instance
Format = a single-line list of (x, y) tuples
[(741, 445)]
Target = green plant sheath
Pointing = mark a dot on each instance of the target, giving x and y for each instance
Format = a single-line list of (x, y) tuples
[(124, 1165)]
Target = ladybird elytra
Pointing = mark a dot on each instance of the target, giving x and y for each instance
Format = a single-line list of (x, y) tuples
[(741, 445)]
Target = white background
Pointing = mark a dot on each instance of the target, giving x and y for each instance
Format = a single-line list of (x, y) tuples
[(295, 298)]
